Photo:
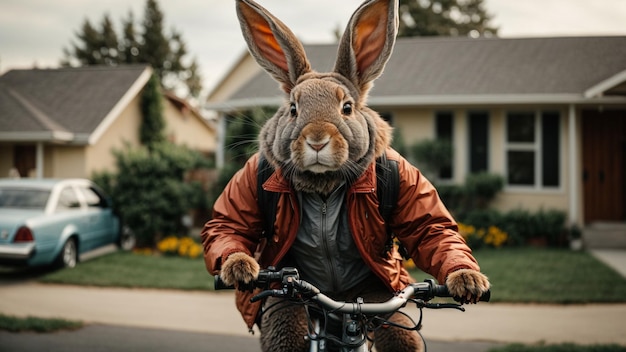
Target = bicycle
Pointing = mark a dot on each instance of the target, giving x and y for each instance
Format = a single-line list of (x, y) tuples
[(357, 319)]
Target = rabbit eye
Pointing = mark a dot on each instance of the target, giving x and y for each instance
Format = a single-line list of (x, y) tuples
[(347, 108), (293, 110)]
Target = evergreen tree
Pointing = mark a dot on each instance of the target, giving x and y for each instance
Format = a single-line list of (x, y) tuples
[(444, 18), (166, 53), (108, 42), (152, 130), (129, 46)]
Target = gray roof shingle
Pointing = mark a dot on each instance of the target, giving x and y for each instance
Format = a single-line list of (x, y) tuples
[(74, 100), (438, 66)]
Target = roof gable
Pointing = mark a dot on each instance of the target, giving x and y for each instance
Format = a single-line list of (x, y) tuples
[(70, 100)]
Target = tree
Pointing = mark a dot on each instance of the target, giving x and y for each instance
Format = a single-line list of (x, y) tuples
[(153, 124), (444, 18), (166, 53)]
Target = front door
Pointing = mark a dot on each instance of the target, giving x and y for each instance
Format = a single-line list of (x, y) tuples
[(604, 165)]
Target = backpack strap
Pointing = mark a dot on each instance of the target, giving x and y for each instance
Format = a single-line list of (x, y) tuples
[(387, 186), (267, 201), (387, 190)]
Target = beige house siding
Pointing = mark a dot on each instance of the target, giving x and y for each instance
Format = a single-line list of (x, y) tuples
[(64, 161), (123, 132), (184, 127)]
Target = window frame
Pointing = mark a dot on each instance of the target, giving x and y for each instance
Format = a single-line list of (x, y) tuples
[(537, 148)]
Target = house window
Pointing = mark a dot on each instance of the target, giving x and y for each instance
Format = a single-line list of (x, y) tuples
[(443, 130), (478, 141), (532, 149)]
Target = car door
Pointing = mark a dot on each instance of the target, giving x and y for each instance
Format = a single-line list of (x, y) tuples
[(70, 215), (102, 225)]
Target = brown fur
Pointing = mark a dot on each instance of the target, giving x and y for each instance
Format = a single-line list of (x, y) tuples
[(467, 284), (239, 267), (321, 145)]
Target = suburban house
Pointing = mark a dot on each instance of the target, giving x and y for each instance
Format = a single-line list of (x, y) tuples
[(66, 122), (548, 114)]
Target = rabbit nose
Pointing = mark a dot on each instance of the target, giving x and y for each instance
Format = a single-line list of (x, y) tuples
[(317, 146)]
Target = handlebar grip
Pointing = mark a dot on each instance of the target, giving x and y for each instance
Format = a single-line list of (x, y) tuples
[(486, 296), (442, 291), (220, 285)]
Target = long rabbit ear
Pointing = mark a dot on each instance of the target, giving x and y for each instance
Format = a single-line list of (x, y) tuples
[(272, 44), (367, 43)]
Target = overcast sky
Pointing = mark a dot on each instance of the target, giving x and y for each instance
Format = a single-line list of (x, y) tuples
[(34, 32)]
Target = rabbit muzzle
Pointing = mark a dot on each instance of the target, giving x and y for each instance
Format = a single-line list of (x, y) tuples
[(320, 148)]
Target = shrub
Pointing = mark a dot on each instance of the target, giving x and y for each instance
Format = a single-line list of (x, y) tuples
[(481, 188), (432, 156), (149, 190)]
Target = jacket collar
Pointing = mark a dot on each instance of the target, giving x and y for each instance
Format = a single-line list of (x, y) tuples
[(366, 183)]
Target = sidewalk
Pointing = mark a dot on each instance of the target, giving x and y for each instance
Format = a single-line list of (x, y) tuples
[(216, 313)]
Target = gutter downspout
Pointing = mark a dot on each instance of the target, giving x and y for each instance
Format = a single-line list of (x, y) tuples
[(39, 160)]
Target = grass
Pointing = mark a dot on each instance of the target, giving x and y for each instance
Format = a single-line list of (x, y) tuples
[(14, 324), (125, 269), (559, 348), (556, 276)]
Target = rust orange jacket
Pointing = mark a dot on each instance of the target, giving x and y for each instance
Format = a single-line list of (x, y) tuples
[(420, 221)]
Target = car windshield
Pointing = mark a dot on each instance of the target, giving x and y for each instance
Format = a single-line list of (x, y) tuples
[(23, 198)]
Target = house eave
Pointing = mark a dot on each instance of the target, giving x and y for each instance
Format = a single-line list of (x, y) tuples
[(41, 136), (599, 89), (437, 100)]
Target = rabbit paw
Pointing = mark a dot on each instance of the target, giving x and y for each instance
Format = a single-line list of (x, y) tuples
[(239, 269), (467, 285)]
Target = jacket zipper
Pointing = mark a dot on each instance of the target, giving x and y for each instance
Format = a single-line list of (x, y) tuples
[(327, 252)]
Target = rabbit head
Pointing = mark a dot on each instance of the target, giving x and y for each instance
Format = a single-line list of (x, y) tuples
[(324, 133)]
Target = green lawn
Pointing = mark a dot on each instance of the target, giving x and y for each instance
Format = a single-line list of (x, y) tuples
[(14, 324), (550, 276), (125, 269)]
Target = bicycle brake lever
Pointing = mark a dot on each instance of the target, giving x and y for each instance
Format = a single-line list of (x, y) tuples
[(444, 306), (267, 293)]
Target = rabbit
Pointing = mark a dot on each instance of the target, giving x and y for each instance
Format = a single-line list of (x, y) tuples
[(324, 135)]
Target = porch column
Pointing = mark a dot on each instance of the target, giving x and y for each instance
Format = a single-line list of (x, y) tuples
[(221, 138), (574, 168), (39, 160)]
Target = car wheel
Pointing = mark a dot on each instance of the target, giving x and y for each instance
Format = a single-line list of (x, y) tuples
[(127, 239), (69, 255)]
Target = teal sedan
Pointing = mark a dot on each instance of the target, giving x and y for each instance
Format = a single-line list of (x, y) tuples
[(55, 222)]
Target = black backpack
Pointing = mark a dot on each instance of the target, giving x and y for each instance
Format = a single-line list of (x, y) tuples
[(387, 186)]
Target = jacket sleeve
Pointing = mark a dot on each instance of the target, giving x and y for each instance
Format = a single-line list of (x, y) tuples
[(236, 222), (426, 228)]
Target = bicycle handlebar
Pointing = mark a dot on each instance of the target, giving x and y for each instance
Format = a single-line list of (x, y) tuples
[(289, 277)]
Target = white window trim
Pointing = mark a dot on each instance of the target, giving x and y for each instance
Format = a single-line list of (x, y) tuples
[(537, 148)]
